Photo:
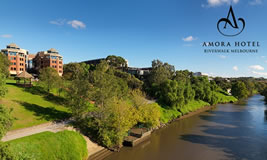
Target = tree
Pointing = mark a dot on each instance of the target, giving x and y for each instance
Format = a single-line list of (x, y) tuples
[(149, 115), (116, 61), (4, 64), (172, 93), (160, 72), (131, 80), (264, 93), (112, 121), (49, 78), (106, 85), (250, 87), (184, 75), (6, 122), (78, 94), (189, 93), (239, 90), (3, 89), (75, 70), (223, 83)]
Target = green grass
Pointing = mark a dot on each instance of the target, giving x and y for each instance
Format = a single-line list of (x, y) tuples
[(65, 145), (193, 106), (224, 98), (167, 115), (32, 106)]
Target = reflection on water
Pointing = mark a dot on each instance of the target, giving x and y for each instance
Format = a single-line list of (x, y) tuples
[(227, 132)]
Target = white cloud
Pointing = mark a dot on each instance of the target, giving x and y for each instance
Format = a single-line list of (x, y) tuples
[(189, 39), (257, 67), (6, 36), (255, 2), (260, 73), (222, 56), (58, 22), (77, 24), (216, 3), (235, 68)]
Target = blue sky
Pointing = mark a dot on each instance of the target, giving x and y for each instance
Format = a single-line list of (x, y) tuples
[(138, 30)]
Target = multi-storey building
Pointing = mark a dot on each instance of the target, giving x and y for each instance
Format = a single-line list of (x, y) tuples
[(50, 58), (18, 58)]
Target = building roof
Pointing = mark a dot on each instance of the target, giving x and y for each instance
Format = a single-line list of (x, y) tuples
[(53, 50), (31, 56), (13, 45), (24, 74)]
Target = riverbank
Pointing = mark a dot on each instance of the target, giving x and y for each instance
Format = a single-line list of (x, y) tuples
[(215, 134), (104, 154), (190, 114)]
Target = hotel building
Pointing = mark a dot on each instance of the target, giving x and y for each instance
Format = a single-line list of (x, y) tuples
[(50, 58), (21, 60), (18, 58)]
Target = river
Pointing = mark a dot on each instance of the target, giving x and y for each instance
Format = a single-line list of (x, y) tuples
[(229, 131)]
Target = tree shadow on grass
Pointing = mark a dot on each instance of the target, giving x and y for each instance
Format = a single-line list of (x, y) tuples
[(38, 90), (49, 113)]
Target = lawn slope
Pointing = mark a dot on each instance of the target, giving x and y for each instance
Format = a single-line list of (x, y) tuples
[(32, 107), (65, 145)]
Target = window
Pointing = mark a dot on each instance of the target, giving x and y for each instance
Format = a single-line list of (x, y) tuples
[(12, 53), (11, 68), (53, 57), (14, 63), (15, 68)]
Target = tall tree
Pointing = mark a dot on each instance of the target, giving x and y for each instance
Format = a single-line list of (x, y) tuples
[(160, 72), (116, 61), (4, 64), (239, 90), (49, 78)]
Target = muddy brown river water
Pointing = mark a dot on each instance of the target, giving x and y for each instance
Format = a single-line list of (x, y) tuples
[(229, 131)]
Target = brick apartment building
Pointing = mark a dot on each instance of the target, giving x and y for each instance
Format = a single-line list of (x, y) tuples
[(50, 58), (21, 60), (18, 58)]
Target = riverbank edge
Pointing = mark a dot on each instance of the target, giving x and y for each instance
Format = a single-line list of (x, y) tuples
[(188, 115), (163, 125)]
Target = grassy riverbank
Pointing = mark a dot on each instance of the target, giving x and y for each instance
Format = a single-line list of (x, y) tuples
[(31, 107), (65, 145), (168, 114)]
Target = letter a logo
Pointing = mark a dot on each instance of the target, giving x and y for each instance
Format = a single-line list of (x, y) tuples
[(234, 25)]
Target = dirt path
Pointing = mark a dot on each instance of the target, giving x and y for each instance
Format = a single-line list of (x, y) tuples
[(52, 127)]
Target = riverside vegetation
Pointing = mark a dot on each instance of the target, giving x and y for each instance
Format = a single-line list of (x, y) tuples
[(105, 102)]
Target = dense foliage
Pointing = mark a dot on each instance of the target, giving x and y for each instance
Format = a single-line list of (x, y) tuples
[(6, 120), (239, 90), (49, 78), (4, 64), (105, 102)]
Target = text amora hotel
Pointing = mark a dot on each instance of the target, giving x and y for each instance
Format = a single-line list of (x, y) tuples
[(21, 60)]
